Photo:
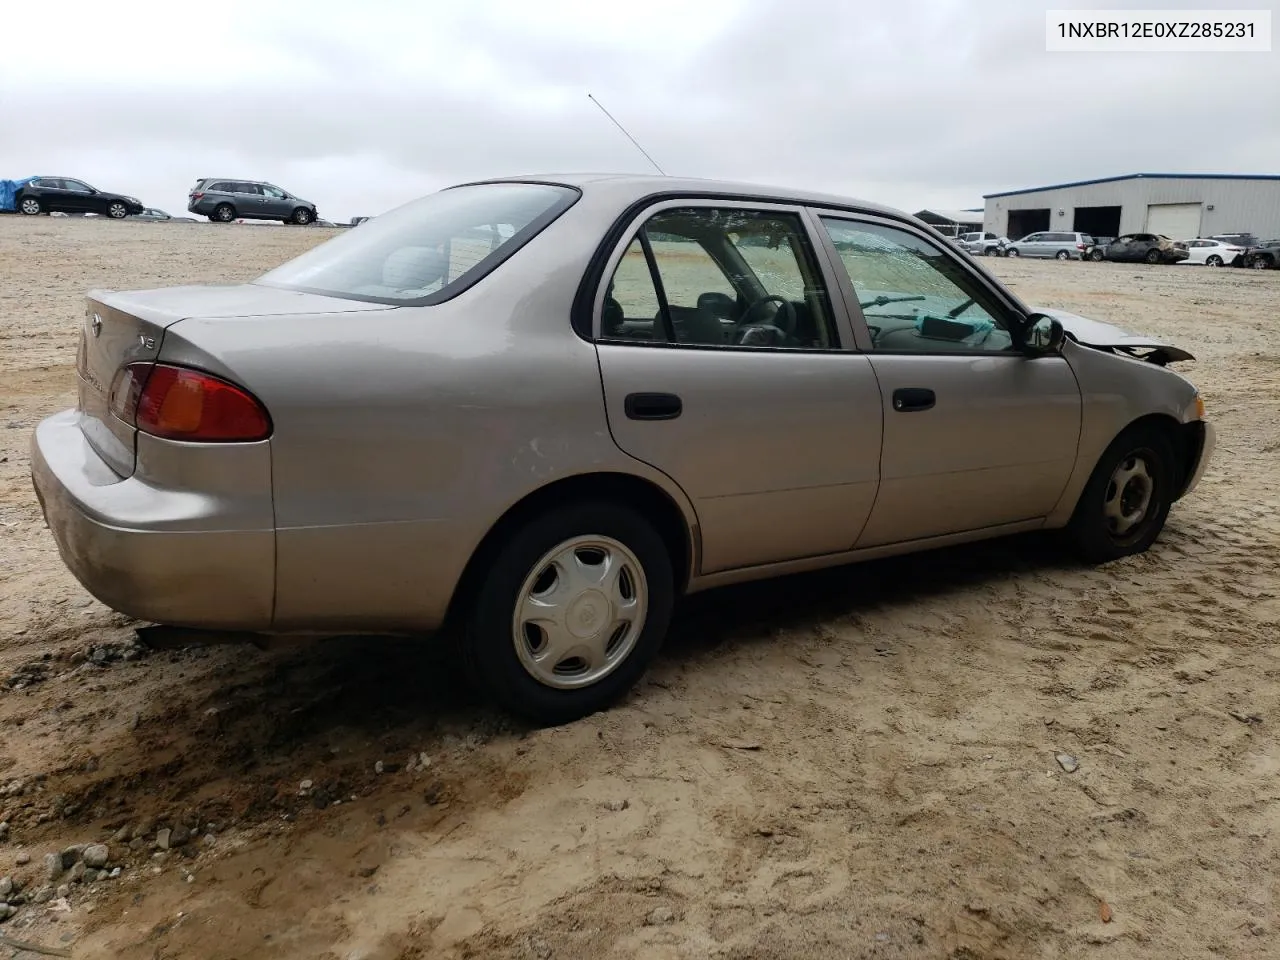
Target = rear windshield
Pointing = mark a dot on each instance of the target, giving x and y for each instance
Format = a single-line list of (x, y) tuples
[(429, 250)]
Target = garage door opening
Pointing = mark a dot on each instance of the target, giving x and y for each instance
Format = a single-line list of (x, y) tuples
[(1023, 222), (1177, 221), (1098, 221)]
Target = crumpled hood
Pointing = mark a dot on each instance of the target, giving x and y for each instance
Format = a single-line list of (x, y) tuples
[(1095, 333)]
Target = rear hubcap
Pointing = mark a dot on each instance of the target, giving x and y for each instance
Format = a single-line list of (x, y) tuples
[(1128, 497), (580, 612), (30, 206)]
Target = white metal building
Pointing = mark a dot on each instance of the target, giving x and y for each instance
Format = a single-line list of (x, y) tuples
[(1181, 206), (952, 223)]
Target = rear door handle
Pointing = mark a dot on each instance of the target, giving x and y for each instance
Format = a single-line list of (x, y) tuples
[(913, 399), (652, 406)]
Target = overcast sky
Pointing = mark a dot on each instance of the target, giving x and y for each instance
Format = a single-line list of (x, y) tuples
[(364, 104)]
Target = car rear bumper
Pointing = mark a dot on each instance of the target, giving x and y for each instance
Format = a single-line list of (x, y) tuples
[(150, 553)]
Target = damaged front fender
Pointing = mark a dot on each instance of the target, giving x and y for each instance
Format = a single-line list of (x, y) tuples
[(1113, 339)]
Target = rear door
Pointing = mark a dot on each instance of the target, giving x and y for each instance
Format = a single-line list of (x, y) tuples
[(726, 364), (249, 201), (977, 434)]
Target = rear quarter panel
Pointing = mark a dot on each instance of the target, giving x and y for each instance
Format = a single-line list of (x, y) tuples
[(1116, 391), (401, 436)]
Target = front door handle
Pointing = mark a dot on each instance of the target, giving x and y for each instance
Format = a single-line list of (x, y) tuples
[(912, 399), (652, 406)]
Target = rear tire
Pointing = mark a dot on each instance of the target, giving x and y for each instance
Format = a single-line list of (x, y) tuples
[(223, 213), (1214, 261), (31, 206), (506, 649), (1125, 504)]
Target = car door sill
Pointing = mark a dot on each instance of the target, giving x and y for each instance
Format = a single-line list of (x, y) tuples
[(724, 578)]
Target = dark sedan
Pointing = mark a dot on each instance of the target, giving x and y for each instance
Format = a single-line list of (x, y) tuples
[(47, 194), (1145, 248), (1263, 256)]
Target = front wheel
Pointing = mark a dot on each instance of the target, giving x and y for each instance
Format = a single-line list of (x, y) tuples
[(302, 216), (1063, 255), (572, 609), (1095, 256), (1260, 263), (117, 211), (1153, 257), (1012, 252), (1126, 501)]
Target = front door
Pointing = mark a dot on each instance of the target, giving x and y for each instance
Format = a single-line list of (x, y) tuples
[(274, 203), (726, 365), (976, 433), (80, 197)]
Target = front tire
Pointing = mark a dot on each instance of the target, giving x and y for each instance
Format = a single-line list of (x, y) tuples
[(1012, 252), (1260, 263), (1153, 257), (31, 207), (1063, 255), (302, 216), (1095, 256), (1125, 503), (117, 211), (574, 606)]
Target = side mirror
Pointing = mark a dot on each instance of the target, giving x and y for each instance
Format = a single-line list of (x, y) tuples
[(1042, 336)]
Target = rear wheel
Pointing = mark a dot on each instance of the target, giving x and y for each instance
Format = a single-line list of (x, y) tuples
[(1126, 501), (223, 213), (574, 606), (1214, 261), (1153, 256), (30, 206), (1063, 255)]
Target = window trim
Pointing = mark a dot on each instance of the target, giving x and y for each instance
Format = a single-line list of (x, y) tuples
[(632, 226), (1013, 314)]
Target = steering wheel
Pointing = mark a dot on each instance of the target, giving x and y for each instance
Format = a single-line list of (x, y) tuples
[(784, 319)]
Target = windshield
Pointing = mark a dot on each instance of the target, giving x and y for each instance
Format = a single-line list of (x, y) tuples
[(428, 250)]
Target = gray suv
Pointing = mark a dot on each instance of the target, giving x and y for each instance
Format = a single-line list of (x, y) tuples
[(1051, 243), (225, 200)]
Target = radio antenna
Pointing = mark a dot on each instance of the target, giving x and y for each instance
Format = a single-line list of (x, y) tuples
[(627, 135)]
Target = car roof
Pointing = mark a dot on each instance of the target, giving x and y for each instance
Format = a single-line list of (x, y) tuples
[(630, 188)]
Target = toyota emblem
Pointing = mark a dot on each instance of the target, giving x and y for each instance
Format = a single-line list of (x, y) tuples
[(96, 323)]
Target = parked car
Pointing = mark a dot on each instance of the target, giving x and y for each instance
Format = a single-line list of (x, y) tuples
[(1050, 243), (223, 201), (156, 215), (1245, 240), (1263, 256), (536, 412), (1145, 248), (1093, 250), (983, 244), (1213, 253), (47, 194)]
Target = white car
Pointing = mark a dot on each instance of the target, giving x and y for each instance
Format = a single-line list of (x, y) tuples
[(1212, 253)]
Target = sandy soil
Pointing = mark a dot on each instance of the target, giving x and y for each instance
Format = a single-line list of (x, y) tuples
[(859, 763)]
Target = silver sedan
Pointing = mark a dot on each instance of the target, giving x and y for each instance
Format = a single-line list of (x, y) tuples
[(537, 411)]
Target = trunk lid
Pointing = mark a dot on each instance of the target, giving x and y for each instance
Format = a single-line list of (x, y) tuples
[(123, 328)]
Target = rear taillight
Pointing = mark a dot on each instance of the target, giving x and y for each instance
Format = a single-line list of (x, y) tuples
[(197, 196), (1079, 246), (178, 403)]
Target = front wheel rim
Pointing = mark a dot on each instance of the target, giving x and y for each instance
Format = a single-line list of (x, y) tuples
[(117, 210), (580, 612), (1130, 492)]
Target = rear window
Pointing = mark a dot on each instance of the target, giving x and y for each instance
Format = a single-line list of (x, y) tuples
[(429, 250)]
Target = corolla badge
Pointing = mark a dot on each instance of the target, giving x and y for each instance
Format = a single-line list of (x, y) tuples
[(96, 323)]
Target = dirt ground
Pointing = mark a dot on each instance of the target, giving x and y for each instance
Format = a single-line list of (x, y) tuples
[(854, 764)]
